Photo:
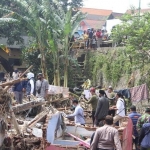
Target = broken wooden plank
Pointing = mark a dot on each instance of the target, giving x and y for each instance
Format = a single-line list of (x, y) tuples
[(61, 109), (27, 106), (37, 119), (60, 100)]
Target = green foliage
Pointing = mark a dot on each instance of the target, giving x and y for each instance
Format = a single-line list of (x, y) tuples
[(112, 65), (134, 33), (31, 57)]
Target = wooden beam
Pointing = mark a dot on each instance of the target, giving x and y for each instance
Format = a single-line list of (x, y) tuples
[(60, 100), (27, 106)]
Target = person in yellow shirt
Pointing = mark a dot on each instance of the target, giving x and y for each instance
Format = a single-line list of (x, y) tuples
[(85, 37)]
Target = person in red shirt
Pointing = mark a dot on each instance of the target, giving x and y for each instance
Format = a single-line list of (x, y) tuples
[(99, 38)]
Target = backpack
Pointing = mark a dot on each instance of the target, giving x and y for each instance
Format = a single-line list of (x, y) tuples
[(146, 140)]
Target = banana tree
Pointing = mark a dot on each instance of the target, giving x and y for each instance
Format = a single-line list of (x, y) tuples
[(71, 23), (31, 13)]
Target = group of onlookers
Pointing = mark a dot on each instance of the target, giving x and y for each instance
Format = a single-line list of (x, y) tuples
[(93, 38), (107, 113)]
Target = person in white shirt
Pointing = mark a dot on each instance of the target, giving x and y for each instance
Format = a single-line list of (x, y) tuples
[(30, 89), (78, 113), (120, 108), (15, 74)]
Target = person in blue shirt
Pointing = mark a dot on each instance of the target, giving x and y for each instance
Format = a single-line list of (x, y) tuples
[(134, 117), (78, 113), (18, 89), (144, 138)]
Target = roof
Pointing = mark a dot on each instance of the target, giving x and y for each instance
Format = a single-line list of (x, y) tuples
[(101, 12), (117, 15), (95, 17), (95, 24), (129, 11)]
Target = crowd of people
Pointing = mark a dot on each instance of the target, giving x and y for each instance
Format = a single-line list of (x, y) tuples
[(93, 38), (107, 111), (30, 86)]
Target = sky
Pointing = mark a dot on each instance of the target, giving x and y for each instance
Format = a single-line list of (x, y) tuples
[(115, 5)]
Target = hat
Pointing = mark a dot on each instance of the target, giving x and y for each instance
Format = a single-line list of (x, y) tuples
[(30, 75), (110, 87), (40, 74), (92, 89)]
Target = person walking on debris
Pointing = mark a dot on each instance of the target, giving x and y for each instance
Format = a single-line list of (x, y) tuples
[(18, 89), (30, 85), (102, 107), (134, 117), (120, 107), (144, 138), (106, 137), (143, 119), (42, 86), (78, 113), (112, 102), (93, 101)]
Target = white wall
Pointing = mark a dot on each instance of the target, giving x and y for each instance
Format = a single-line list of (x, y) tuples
[(112, 23)]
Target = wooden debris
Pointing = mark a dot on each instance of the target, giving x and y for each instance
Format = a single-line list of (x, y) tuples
[(27, 106)]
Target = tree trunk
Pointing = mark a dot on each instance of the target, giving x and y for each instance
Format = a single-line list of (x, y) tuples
[(66, 75), (43, 65), (56, 74), (66, 61)]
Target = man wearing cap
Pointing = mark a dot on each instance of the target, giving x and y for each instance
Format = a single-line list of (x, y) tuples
[(102, 107), (143, 119), (78, 113), (93, 101), (134, 117), (42, 86)]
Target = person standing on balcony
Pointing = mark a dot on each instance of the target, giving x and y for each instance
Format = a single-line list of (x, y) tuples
[(85, 37), (99, 38)]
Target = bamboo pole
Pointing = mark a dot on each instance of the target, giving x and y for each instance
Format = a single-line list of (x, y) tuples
[(7, 87)]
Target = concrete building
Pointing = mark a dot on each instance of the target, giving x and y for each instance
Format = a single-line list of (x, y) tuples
[(11, 57)]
